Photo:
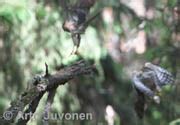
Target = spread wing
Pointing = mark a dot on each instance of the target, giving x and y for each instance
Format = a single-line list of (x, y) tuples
[(162, 76)]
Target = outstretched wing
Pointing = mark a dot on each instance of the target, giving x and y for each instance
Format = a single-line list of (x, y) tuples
[(163, 77)]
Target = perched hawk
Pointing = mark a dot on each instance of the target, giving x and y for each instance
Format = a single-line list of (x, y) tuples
[(147, 82)]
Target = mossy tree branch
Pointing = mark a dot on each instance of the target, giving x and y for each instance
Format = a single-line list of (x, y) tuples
[(39, 86)]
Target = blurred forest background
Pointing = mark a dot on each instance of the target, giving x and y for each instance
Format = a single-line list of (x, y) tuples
[(127, 34)]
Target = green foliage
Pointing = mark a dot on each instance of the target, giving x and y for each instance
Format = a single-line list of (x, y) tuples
[(14, 11), (34, 35)]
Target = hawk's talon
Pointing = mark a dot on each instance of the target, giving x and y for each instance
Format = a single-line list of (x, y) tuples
[(156, 99)]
